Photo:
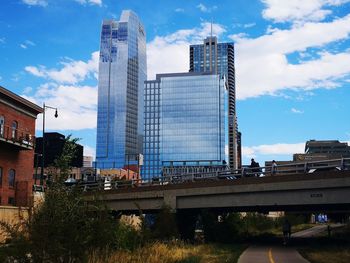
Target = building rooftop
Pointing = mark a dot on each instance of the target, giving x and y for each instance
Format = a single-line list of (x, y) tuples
[(315, 146), (9, 96)]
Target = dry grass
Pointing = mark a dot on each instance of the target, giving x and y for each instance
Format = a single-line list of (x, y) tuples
[(339, 255), (335, 249), (172, 253)]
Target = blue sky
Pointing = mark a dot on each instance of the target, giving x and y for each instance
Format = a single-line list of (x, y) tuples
[(292, 62)]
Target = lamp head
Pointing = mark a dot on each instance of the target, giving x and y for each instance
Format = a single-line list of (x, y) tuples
[(56, 114)]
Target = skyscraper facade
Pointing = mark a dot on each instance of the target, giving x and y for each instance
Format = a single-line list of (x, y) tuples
[(184, 122), (122, 72), (218, 58)]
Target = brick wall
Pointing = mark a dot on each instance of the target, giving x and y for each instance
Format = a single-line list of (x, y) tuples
[(12, 157)]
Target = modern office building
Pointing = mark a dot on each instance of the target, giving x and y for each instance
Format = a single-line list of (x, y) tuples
[(317, 150), (218, 58), (122, 72), (323, 150), (184, 123)]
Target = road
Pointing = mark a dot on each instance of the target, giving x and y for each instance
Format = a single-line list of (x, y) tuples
[(271, 254), (282, 254), (314, 231)]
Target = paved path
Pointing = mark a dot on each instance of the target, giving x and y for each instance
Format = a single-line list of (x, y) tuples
[(315, 231), (271, 254)]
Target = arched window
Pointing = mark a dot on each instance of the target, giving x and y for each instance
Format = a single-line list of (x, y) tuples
[(2, 126), (14, 129), (12, 177)]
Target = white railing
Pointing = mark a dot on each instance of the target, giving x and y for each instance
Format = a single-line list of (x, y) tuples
[(285, 169)]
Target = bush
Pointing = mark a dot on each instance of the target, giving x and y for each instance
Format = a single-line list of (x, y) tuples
[(165, 227), (127, 237), (64, 228)]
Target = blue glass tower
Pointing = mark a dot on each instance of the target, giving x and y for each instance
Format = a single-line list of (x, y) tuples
[(122, 72), (218, 58), (184, 123)]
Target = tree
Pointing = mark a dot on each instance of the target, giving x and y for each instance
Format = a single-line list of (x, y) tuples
[(165, 227), (64, 228)]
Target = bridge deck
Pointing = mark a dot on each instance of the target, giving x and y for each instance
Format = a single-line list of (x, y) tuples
[(322, 190)]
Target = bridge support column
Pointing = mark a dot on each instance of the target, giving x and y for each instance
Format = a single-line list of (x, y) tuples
[(186, 222), (170, 200)]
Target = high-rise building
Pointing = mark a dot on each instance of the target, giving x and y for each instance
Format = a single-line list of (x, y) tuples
[(122, 72), (218, 58), (184, 123)]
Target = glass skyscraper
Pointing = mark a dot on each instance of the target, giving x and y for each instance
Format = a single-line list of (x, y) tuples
[(218, 58), (122, 72), (184, 122)]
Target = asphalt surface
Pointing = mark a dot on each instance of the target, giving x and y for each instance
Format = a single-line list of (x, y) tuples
[(315, 231), (271, 254), (278, 253)]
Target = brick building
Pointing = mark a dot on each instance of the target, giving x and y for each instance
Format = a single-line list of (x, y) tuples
[(17, 129)]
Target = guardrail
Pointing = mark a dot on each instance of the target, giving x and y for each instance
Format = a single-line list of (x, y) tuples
[(280, 170), (17, 136)]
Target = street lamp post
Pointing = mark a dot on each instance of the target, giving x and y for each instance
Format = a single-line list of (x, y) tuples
[(36, 165), (43, 146)]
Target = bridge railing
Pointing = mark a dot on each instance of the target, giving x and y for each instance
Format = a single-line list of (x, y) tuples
[(296, 168), (283, 169)]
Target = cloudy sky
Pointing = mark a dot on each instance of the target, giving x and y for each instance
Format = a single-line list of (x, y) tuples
[(292, 62)]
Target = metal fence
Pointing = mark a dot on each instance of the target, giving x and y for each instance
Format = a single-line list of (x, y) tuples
[(279, 170)]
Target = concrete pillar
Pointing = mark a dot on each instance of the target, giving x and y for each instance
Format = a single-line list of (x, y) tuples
[(170, 200)]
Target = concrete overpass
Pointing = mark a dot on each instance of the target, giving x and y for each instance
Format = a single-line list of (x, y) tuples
[(322, 191)]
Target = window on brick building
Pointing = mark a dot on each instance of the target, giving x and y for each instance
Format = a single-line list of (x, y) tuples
[(14, 129), (2, 126), (12, 177), (11, 201)]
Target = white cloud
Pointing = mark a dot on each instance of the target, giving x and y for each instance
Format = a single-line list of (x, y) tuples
[(0, 78), (180, 10), (249, 25), (72, 71), (238, 37), (35, 2), (76, 103), (294, 110), (175, 48), (77, 106), (91, 2), (262, 66), (298, 10), (35, 71), (26, 44), (206, 9), (2, 40), (27, 90), (272, 149)]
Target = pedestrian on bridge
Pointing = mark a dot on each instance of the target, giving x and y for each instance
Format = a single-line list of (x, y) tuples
[(254, 168), (273, 167)]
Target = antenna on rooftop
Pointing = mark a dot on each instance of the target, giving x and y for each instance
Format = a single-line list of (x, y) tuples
[(211, 29)]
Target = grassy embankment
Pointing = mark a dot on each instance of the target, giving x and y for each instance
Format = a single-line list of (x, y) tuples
[(335, 249), (174, 253)]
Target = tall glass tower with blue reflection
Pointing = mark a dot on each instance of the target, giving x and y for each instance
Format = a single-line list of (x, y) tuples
[(218, 58), (122, 72), (184, 123)]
